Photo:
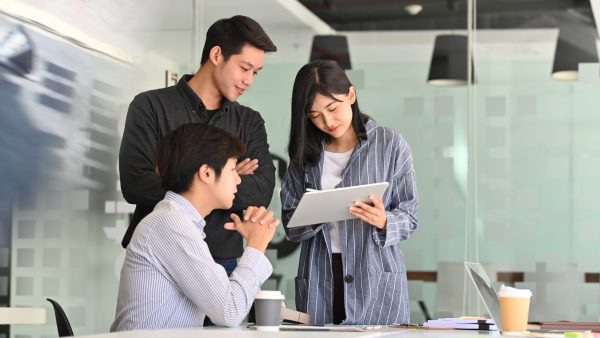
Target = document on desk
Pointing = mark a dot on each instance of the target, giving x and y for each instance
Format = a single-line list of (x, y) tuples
[(302, 328), (564, 325), (322, 206), (339, 328), (468, 323)]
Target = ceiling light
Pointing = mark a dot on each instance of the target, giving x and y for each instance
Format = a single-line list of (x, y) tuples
[(331, 47), (449, 61), (413, 9), (576, 44)]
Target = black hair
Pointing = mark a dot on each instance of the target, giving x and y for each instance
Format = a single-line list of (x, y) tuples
[(232, 34), (326, 78), (182, 152)]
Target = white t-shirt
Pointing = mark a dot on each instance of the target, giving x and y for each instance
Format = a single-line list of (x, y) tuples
[(333, 164)]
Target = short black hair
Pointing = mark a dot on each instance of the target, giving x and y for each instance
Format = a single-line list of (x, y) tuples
[(326, 78), (232, 34), (182, 152)]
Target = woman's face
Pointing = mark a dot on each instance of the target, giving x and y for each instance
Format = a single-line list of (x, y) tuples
[(333, 117)]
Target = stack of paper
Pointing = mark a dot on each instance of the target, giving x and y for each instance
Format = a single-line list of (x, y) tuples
[(463, 323)]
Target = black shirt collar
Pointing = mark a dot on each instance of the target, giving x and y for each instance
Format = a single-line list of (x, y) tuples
[(193, 99)]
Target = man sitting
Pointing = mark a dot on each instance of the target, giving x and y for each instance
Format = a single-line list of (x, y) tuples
[(169, 278)]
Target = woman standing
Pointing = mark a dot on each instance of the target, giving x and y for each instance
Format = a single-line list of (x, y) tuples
[(352, 271)]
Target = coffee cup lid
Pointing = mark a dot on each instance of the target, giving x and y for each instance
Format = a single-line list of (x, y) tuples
[(507, 291), (267, 294)]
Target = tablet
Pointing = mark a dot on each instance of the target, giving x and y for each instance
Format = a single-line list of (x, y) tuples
[(322, 206)]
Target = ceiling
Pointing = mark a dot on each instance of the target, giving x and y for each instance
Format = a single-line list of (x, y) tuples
[(372, 15), (174, 30)]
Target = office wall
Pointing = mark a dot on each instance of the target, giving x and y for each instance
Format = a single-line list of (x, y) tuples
[(62, 215), (537, 172)]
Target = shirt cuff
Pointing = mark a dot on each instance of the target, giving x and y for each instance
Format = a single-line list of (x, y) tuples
[(257, 261)]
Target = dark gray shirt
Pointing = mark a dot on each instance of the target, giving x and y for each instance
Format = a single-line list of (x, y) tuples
[(155, 113)]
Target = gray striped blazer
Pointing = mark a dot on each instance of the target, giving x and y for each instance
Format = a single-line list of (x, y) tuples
[(373, 263)]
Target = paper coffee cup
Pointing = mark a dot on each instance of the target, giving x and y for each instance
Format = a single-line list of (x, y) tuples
[(267, 310), (514, 309)]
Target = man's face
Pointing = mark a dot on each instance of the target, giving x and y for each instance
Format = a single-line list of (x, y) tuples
[(235, 75), (225, 186)]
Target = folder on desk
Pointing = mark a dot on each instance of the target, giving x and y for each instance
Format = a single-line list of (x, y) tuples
[(564, 325), (294, 316), (462, 324)]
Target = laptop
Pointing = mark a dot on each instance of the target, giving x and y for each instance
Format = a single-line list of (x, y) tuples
[(490, 299), (486, 291)]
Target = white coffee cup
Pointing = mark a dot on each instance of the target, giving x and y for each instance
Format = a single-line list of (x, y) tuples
[(267, 310), (514, 309)]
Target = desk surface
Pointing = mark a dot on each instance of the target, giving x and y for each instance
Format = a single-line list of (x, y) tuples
[(239, 332), (22, 315)]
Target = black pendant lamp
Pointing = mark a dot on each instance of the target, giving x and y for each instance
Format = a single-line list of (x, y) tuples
[(576, 44), (331, 47), (449, 61)]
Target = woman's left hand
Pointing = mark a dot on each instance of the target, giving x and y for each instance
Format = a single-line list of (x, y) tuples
[(374, 215)]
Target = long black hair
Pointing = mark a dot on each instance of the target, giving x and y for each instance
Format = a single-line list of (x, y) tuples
[(326, 78)]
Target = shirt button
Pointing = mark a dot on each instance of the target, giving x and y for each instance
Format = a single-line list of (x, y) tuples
[(348, 279)]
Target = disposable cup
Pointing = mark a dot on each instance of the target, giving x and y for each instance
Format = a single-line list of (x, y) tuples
[(267, 309), (514, 309)]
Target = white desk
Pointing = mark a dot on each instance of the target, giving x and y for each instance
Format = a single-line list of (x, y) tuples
[(22, 315), (214, 332)]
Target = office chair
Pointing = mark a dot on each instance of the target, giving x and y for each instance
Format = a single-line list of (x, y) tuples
[(62, 322), (424, 310)]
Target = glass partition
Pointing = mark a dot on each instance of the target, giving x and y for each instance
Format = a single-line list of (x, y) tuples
[(536, 166)]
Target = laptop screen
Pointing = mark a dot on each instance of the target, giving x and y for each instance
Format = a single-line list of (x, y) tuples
[(486, 290)]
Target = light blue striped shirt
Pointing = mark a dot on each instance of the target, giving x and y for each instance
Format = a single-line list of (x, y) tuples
[(169, 278), (375, 286)]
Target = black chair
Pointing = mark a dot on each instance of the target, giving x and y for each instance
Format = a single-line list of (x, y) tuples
[(62, 322), (424, 310)]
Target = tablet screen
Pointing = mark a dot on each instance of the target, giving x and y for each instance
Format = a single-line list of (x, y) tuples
[(322, 206)]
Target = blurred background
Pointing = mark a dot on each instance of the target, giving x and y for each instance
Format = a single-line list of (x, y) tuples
[(506, 163)]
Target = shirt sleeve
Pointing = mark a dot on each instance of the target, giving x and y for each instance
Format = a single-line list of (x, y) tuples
[(139, 182), (292, 189), (257, 189), (181, 249), (402, 210)]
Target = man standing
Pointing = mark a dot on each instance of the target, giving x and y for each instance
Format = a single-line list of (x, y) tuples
[(233, 54), (169, 278)]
